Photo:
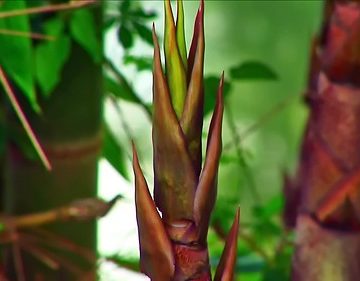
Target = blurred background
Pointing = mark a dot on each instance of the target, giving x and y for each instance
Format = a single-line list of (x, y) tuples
[(264, 49)]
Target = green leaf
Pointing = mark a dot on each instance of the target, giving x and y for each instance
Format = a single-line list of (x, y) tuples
[(252, 70), (180, 33), (142, 63), (124, 6), (16, 52), (118, 90), (51, 56), (211, 84), (140, 13), (83, 30), (174, 67), (125, 36), (113, 152), (109, 22), (144, 32)]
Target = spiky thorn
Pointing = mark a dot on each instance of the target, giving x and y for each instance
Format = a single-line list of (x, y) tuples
[(226, 267), (156, 256)]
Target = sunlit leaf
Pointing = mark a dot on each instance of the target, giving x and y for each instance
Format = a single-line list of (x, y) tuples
[(252, 70), (83, 30), (16, 52), (51, 56)]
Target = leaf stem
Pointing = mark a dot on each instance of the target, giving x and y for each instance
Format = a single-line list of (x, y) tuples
[(47, 9), (26, 34), (239, 153), (25, 123)]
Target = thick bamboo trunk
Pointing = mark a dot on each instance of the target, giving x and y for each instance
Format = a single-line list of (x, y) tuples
[(326, 192), (69, 128)]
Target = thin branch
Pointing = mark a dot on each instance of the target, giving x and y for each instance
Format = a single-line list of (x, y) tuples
[(239, 153), (27, 34), (79, 210), (53, 261), (40, 254), (49, 239), (263, 119), (24, 121), (122, 80), (48, 9)]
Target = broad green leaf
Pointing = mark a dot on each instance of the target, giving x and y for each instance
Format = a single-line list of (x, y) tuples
[(144, 32), (16, 52), (83, 30), (113, 152), (252, 70), (211, 84), (140, 13), (51, 56), (125, 6), (125, 36)]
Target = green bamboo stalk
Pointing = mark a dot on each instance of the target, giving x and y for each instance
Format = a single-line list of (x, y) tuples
[(70, 131)]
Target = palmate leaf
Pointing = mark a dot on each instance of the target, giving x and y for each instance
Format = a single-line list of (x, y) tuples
[(16, 52)]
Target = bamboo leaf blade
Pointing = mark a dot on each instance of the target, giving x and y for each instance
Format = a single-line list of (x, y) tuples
[(82, 28), (18, 67), (113, 153), (53, 53)]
